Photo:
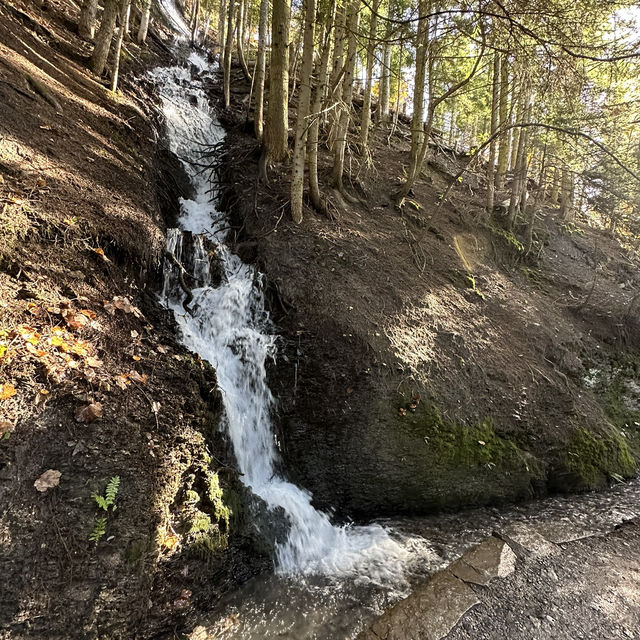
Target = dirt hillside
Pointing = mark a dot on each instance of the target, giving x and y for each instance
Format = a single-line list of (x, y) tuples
[(97, 399), (426, 361)]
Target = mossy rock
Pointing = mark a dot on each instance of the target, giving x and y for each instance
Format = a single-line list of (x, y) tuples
[(462, 465), (594, 459)]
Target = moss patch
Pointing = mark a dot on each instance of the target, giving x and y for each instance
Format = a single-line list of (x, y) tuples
[(457, 444), (593, 459)]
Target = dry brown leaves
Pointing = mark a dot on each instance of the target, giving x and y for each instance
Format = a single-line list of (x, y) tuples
[(48, 480)]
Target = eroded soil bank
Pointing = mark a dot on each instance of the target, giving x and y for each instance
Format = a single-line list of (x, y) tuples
[(93, 384), (426, 363)]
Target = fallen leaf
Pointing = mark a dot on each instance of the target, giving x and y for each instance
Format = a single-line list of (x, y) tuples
[(137, 377), (93, 362), (136, 358), (161, 349), (90, 314), (48, 480), (36, 352), (101, 253), (7, 391), (482, 442), (134, 333), (122, 381), (90, 413), (6, 428)]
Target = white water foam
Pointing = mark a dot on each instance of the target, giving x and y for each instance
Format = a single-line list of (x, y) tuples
[(229, 326)]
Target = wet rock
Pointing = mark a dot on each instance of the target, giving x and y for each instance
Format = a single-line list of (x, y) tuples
[(526, 541), (429, 613), (491, 559)]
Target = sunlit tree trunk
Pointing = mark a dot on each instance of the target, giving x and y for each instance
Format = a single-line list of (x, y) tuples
[(495, 100), (366, 101), (382, 114), (321, 83), (258, 86), (277, 129), (104, 37), (503, 150), (337, 73), (304, 99), (144, 22), (520, 168), (422, 46), (194, 21), (347, 94), (240, 38), (125, 6)]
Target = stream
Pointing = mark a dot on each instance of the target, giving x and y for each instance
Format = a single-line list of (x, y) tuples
[(329, 580)]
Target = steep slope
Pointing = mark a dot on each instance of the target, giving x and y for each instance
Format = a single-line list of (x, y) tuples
[(426, 362), (93, 384)]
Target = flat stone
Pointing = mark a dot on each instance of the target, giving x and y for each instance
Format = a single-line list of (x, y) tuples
[(527, 541), (491, 559), (429, 613)]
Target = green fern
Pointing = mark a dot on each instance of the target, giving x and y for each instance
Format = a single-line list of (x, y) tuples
[(110, 494), (99, 529)]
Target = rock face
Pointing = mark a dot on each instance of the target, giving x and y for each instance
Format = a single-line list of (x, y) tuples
[(429, 613), (417, 371), (433, 609), (491, 559)]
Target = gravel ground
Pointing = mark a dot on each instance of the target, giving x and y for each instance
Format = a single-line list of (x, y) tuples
[(590, 591)]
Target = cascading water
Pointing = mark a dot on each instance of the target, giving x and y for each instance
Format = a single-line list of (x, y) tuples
[(343, 568), (227, 325)]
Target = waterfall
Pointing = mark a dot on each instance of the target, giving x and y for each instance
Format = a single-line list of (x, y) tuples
[(229, 327)]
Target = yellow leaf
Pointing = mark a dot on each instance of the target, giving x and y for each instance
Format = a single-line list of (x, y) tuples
[(136, 358), (7, 391)]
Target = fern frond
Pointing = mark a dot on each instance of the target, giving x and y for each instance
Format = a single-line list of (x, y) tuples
[(99, 529), (100, 501), (112, 490)]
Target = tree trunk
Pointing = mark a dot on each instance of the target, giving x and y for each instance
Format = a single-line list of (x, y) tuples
[(495, 106), (555, 187), (520, 168), (314, 127), (422, 47), (515, 137), (304, 99), (366, 101), (261, 57), (566, 196), (87, 21), (227, 55), (144, 22), (382, 114), (536, 202), (347, 95), (127, 21), (194, 23), (240, 39), (125, 6), (104, 37), (337, 71), (503, 150), (277, 130), (222, 39)]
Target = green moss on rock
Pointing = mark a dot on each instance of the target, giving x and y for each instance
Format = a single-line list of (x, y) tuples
[(460, 464), (593, 459)]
